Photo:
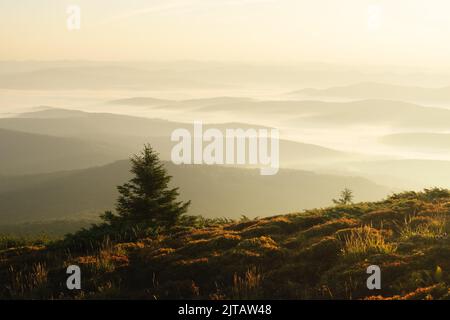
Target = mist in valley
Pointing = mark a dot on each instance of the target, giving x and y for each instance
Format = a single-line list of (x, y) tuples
[(64, 143)]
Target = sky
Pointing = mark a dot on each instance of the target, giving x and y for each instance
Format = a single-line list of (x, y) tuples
[(407, 32)]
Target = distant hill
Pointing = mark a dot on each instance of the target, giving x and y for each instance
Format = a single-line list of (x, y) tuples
[(401, 173), (46, 112), (100, 126), (24, 153), (73, 75), (214, 191), (98, 77), (318, 114), (70, 123), (438, 142), (190, 104), (394, 114), (374, 90), (122, 135), (140, 101)]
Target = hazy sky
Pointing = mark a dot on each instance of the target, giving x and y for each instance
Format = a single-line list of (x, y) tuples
[(343, 31)]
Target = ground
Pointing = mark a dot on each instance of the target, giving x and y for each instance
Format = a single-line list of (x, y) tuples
[(316, 254)]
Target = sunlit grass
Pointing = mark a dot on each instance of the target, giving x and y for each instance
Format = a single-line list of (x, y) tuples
[(432, 228), (365, 240)]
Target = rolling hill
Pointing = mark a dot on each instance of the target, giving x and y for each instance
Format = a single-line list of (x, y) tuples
[(25, 153), (95, 77), (210, 104), (438, 142), (384, 113), (374, 90), (320, 114), (90, 191), (122, 135), (317, 254), (403, 173), (70, 75)]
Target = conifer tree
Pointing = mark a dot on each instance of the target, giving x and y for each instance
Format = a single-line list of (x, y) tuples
[(346, 197), (146, 200)]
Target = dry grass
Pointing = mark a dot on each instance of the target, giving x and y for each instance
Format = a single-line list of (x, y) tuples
[(429, 227), (365, 240), (248, 286), (23, 282)]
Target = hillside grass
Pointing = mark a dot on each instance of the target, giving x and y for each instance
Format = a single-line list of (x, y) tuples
[(316, 254)]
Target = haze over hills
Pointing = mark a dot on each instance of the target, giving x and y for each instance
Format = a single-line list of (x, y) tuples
[(374, 90), (312, 113), (61, 140), (123, 135), (53, 142), (169, 75), (70, 123), (403, 173), (46, 112), (439, 142), (111, 137), (394, 114), (63, 194), (87, 192), (209, 104), (94, 77), (141, 101)]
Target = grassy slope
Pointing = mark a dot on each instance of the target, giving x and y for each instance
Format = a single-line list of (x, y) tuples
[(319, 254)]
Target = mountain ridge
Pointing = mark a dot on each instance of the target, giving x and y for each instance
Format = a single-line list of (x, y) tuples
[(60, 195)]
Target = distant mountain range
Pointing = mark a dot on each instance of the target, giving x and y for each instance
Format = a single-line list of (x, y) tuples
[(25, 153), (419, 141), (210, 104), (215, 191), (392, 114), (313, 113), (99, 138), (403, 173), (374, 90), (96, 75), (95, 78), (64, 162)]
